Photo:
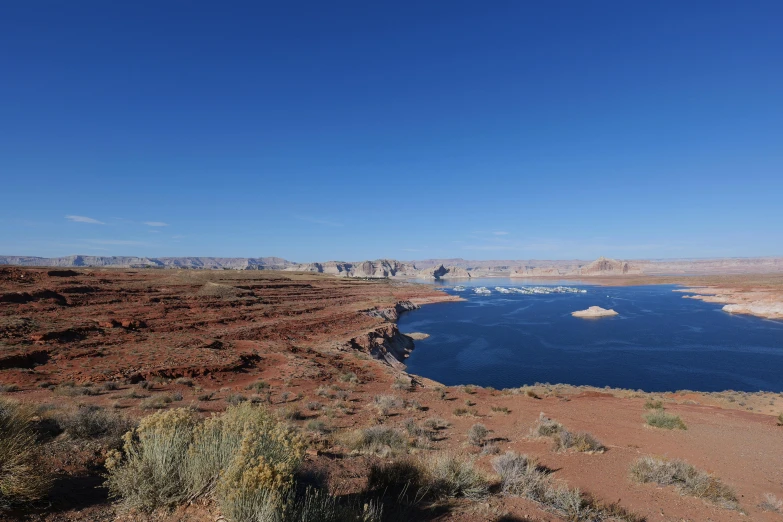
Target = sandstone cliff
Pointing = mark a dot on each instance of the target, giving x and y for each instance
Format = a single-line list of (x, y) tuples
[(607, 267), (442, 272), (374, 269)]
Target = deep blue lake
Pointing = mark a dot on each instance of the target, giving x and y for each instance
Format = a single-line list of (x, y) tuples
[(658, 342)]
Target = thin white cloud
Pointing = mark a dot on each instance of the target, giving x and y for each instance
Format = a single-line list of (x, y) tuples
[(156, 224), (500, 233), (318, 221), (84, 219), (116, 242)]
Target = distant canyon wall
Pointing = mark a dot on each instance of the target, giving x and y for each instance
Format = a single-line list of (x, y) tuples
[(429, 269)]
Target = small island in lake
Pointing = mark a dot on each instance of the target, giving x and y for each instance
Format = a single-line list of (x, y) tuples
[(594, 311)]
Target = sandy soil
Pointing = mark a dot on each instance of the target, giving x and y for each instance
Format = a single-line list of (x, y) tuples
[(301, 333)]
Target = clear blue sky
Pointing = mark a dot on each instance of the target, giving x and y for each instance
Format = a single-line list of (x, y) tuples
[(353, 130)]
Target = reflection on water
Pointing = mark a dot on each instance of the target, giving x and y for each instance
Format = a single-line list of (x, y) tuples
[(659, 341)]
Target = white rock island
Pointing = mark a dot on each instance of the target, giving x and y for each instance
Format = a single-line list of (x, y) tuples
[(594, 311)]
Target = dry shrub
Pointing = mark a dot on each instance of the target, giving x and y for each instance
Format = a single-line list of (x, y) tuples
[(546, 427), (384, 403), (22, 479), (211, 289), (436, 423), (521, 476), (403, 384), (93, 422), (150, 471), (686, 478), (441, 476), (477, 434), (668, 421), (453, 477), (771, 503), (583, 442), (243, 458), (653, 405), (381, 440)]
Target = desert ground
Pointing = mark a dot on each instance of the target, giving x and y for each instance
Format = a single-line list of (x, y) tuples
[(324, 355)]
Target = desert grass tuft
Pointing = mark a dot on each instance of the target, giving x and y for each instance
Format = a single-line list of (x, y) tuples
[(686, 478), (521, 476), (22, 479)]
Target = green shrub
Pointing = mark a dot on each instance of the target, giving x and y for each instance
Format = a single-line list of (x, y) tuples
[(661, 419), (653, 405), (686, 478), (22, 479)]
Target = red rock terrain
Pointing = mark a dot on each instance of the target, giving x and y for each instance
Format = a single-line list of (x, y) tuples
[(206, 335)]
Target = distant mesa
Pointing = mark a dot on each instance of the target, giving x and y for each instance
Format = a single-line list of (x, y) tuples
[(594, 311), (433, 269)]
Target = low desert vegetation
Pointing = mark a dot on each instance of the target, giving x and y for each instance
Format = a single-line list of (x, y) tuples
[(477, 435), (522, 476), (687, 479), (771, 503), (565, 439), (653, 405), (500, 409), (402, 384), (349, 377), (379, 440), (243, 459), (9, 388), (436, 423), (780, 419), (437, 477), (385, 403), (93, 422), (660, 419), (22, 479)]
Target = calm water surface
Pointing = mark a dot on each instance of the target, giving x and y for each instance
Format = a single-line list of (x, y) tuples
[(659, 342)]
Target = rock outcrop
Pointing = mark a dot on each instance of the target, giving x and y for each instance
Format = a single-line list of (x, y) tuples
[(443, 272), (607, 267), (385, 343), (594, 311)]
